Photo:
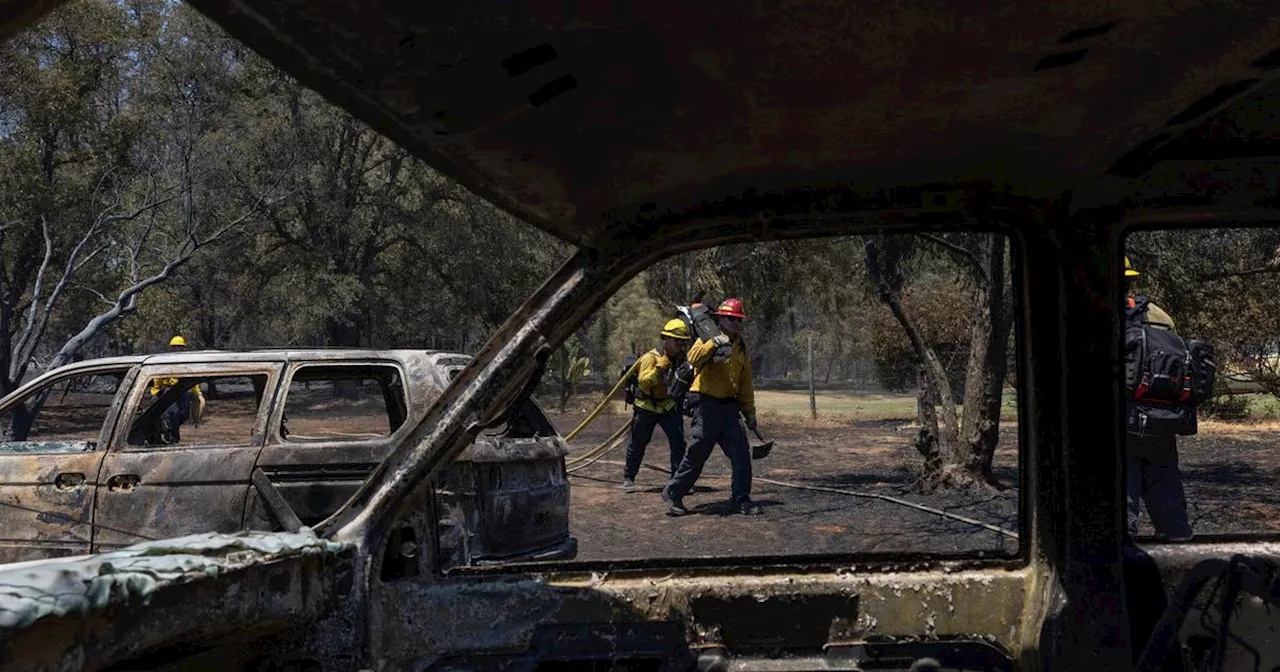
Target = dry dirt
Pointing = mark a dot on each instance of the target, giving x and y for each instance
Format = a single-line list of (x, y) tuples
[(1230, 472), (869, 457)]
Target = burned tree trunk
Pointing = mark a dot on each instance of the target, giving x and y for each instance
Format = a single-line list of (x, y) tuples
[(992, 318), (933, 440), (959, 450), (927, 416)]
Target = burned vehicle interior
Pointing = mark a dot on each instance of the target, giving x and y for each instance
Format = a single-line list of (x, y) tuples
[(1074, 133)]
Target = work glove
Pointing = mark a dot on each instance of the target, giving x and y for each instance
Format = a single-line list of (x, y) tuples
[(723, 349), (750, 417)]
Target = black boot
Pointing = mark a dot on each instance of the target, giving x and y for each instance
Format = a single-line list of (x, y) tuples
[(747, 508), (675, 507)]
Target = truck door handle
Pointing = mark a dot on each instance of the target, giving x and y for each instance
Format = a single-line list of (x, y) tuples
[(68, 481), (123, 483)]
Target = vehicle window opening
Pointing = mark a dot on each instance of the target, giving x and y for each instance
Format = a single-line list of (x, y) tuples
[(343, 403), (174, 411), (877, 363), (1200, 382), (65, 416)]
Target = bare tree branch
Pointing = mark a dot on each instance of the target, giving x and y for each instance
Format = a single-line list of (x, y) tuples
[(128, 216), (101, 297), (37, 314), (126, 302), (967, 256), (16, 364)]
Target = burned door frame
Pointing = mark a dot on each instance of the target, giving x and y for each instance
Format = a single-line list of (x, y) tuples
[(64, 481), (165, 478), (319, 476)]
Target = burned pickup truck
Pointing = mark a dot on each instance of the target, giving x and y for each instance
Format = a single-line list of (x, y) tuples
[(107, 453)]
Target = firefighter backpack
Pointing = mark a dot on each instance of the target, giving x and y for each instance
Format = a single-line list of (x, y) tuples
[(630, 388), (1166, 377)]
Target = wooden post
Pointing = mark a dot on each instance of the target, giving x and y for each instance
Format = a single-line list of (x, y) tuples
[(813, 398)]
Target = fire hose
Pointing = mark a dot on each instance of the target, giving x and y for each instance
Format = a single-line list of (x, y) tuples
[(600, 449), (592, 456), (855, 493), (614, 439), (603, 402)]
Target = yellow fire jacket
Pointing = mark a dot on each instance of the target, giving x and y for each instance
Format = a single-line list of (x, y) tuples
[(653, 389), (723, 380)]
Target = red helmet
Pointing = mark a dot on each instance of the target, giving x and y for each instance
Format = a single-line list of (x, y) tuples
[(732, 308)]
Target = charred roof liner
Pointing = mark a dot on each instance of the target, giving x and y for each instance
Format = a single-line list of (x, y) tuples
[(1139, 160), (521, 62), (1085, 33), (1268, 62), (553, 89), (1212, 101), (1060, 60), (1151, 151)]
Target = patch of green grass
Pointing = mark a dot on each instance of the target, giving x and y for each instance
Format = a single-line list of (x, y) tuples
[(1263, 406), (855, 406)]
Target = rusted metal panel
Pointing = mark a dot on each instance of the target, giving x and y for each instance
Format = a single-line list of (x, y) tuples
[(507, 495), (156, 492), (841, 609), (314, 486), (162, 494), (46, 504), (89, 612), (316, 476), (47, 488), (690, 104), (502, 498)]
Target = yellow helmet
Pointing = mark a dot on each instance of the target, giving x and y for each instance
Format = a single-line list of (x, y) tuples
[(675, 328), (177, 340), (1128, 269)]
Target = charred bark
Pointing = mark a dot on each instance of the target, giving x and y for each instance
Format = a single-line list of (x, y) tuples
[(991, 320), (933, 377), (927, 442)]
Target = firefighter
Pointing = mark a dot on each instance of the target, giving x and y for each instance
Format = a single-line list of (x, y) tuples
[(1151, 470), (653, 405), (190, 406), (720, 391)]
